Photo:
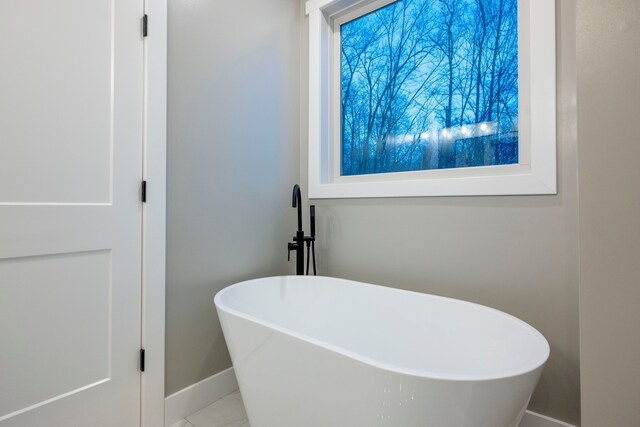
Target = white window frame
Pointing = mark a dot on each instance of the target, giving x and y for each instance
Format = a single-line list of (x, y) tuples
[(534, 174)]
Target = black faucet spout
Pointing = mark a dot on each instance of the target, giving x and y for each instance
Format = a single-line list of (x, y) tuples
[(296, 202), (300, 240)]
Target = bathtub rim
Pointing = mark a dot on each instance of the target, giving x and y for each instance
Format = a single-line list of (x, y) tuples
[(420, 373)]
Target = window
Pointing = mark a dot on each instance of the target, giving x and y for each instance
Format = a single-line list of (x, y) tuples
[(429, 85), (431, 97)]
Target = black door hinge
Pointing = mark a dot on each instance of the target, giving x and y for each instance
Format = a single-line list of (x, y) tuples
[(143, 192), (142, 360), (145, 25)]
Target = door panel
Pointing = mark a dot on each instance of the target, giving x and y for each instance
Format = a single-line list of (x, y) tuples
[(52, 343), (71, 114), (68, 63)]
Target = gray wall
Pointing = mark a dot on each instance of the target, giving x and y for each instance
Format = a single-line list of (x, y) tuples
[(234, 109), (609, 151), (232, 159), (517, 254)]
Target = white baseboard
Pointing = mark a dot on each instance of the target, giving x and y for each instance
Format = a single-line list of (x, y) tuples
[(189, 400), (195, 397)]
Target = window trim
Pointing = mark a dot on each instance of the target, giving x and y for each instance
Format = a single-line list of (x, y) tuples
[(534, 174)]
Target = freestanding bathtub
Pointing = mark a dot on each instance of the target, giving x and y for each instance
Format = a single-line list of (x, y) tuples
[(325, 352)]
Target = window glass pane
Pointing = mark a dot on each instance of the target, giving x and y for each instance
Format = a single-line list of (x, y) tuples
[(430, 84)]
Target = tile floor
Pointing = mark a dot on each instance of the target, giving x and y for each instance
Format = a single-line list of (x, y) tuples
[(226, 412), (229, 412)]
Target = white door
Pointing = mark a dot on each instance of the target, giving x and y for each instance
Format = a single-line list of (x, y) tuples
[(71, 111)]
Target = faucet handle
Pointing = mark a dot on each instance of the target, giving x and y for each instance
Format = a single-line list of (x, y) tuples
[(312, 220), (291, 247)]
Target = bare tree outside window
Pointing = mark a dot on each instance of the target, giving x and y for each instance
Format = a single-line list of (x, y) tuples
[(430, 84)]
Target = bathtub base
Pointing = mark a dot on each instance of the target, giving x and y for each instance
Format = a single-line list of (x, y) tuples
[(286, 382)]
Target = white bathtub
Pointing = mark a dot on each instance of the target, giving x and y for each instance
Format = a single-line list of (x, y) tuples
[(324, 352)]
